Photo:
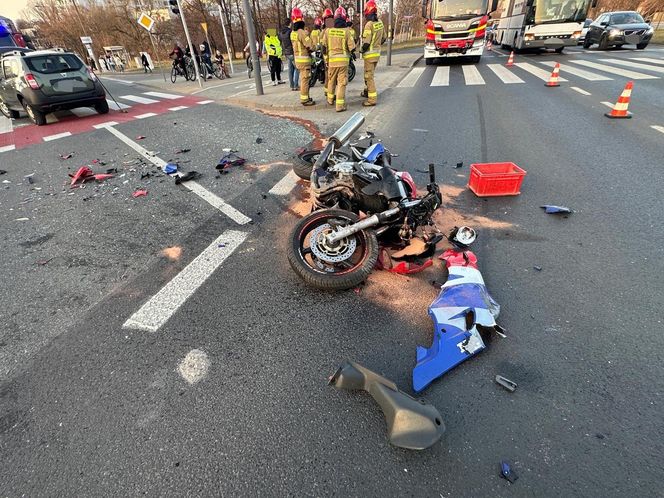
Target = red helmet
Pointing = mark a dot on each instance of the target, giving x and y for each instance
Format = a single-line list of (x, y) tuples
[(370, 8), (327, 14), (340, 13), (318, 22), (296, 15)]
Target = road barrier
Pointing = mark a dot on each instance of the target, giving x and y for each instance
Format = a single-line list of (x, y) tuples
[(553, 79), (619, 110)]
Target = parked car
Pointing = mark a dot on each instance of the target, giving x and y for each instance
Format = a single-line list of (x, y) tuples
[(584, 30), (615, 29), (10, 37), (45, 81)]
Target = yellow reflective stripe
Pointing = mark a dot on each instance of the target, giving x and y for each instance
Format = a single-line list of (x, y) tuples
[(337, 33), (339, 101), (431, 31), (343, 58), (371, 55), (304, 97), (302, 58), (293, 36), (477, 29), (372, 94)]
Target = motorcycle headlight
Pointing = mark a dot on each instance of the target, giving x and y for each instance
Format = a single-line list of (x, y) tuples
[(615, 32)]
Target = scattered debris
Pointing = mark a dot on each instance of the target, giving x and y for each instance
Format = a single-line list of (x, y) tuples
[(459, 164), (182, 151), (139, 193), (42, 262), (229, 160), (259, 140), (85, 174), (506, 471), (550, 209), (506, 383), (110, 171), (537, 268), (22, 219), (173, 253), (64, 157), (412, 424), (188, 176), (140, 137), (30, 178), (2, 172), (6, 181), (170, 168), (145, 175)]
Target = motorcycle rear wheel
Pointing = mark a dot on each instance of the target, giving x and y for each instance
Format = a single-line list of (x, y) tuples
[(342, 266), (305, 162)]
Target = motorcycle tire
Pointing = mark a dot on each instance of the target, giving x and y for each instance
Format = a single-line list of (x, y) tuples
[(305, 162), (351, 71), (304, 263)]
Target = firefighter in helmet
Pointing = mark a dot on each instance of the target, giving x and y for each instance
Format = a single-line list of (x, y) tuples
[(338, 43), (373, 37), (316, 32), (328, 22), (302, 47)]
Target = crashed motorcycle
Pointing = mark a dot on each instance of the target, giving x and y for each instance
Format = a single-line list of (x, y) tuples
[(333, 248), (318, 68)]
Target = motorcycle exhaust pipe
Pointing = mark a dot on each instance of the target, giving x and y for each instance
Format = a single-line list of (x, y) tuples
[(348, 129), (369, 222)]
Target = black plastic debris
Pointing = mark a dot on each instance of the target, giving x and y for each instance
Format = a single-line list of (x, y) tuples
[(259, 140), (504, 382), (146, 175), (66, 156), (229, 160), (2, 172), (459, 164), (537, 268), (506, 471), (110, 171), (188, 176), (30, 178), (182, 151), (551, 209)]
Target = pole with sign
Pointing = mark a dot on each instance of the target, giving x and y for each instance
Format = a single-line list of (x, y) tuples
[(191, 46), (147, 22), (228, 47), (390, 31)]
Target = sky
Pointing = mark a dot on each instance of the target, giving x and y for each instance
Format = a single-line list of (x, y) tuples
[(12, 8)]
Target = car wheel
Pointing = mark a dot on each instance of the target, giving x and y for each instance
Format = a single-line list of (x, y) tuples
[(559, 50), (37, 117), (102, 107), (587, 43), (475, 59), (428, 61), (641, 46), (7, 112), (603, 42)]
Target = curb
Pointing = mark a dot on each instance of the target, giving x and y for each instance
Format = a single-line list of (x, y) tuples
[(416, 61)]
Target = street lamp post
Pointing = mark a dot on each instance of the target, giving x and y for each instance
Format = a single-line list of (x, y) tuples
[(191, 46), (390, 31), (255, 61)]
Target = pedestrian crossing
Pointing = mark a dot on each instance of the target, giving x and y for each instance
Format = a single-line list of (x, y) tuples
[(606, 69)]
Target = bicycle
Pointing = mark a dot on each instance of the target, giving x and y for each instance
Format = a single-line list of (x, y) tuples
[(177, 70), (219, 70)]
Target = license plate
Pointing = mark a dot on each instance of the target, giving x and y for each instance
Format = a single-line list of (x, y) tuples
[(633, 39), (68, 85)]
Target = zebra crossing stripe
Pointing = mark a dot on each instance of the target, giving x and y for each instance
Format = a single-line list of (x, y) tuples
[(140, 100), (536, 71), (505, 75), (648, 59), (586, 75), (615, 70), (635, 65), (441, 77), (411, 78), (472, 75)]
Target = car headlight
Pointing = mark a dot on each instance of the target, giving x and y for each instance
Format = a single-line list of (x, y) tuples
[(615, 32), (529, 36), (576, 34), (650, 30)]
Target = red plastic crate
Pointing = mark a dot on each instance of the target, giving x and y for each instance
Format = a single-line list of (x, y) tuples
[(493, 179)]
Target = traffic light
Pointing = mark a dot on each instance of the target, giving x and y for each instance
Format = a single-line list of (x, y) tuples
[(174, 6)]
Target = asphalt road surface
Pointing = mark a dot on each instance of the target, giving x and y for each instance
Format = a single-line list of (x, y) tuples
[(161, 345)]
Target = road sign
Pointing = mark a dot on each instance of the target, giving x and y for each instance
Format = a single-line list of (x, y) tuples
[(86, 40), (146, 21), (204, 26)]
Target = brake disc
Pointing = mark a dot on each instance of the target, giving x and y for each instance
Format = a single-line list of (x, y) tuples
[(336, 253)]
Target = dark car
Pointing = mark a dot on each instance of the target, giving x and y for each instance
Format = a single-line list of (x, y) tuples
[(615, 29), (45, 81)]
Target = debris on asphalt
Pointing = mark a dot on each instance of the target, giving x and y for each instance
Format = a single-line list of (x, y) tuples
[(229, 160), (42, 262), (537, 268), (63, 157), (412, 424), (140, 137), (506, 471), (85, 174), (110, 171), (182, 151), (459, 164), (259, 140), (139, 193), (30, 178), (550, 209), (170, 168), (173, 253), (2, 172), (188, 176), (22, 219), (504, 382), (6, 181), (145, 175)]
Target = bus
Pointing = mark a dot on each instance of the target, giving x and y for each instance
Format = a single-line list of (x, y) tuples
[(455, 28), (542, 24), (9, 35)]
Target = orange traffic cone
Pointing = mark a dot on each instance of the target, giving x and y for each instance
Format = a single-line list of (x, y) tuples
[(510, 61), (489, 46), (619, 110), (553, 79)]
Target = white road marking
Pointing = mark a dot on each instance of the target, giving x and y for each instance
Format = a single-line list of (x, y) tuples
[(195, 187), (118, 106), (178, 108), (104, 125), (648, 59), (658, 128), (285, 185), (580, 90), (608, 104), (138, 100), (203, 102), (441, 77), (505, 75), (56, 136), (159, 309), (146, 115), (536, 71), (82, 112), (124, 82), (7, 148), (586, 75), (6, 125), (161, 95), (472, 75), (615, 70), (194, 367), (411, 78), (635, 65)]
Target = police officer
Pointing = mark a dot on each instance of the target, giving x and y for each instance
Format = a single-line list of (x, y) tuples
[(338, 42), (373, 37), (302, 47)]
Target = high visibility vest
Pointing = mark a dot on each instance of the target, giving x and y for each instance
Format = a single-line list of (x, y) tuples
[(301, 46), (339, 43), (373, 34), (273, 46)]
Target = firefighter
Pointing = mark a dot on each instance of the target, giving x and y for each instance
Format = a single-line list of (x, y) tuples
[(328, 22), (373, 37), (338, 43), (302, 47), (316, 32)]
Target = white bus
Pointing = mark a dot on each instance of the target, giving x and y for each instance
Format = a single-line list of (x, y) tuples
[(544, 24)]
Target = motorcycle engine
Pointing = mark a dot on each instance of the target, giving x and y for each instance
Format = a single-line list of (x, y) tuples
[(334, 187)]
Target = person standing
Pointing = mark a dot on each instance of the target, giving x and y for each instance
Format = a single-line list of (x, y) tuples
[(373, 37), (302, 47), (145, 62), (338, 42), (287, 50), (316, 32), (328, 22), (272, 47)]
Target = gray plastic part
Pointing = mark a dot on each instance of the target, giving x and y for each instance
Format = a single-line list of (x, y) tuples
[(412, 424)]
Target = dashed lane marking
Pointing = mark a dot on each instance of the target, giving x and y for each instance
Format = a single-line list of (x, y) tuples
[(146, 115), (505, 75), (658, 128), (104, 125), (161, 95), (285, 185), (57, 136), (138, 99), (159, 309), (178, 108), (580, 90), (203, 102), (411, 78), (212, 199), (7, 148)]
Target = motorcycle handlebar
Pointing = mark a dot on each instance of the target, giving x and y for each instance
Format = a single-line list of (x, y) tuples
[(432, 173)]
